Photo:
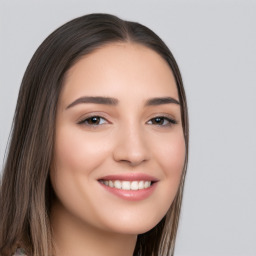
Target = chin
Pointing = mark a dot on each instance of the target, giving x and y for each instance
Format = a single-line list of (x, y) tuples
[(134, 226)]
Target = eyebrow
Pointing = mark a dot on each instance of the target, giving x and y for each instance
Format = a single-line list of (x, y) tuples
[(114, 101), (161, 101), (95, 100)]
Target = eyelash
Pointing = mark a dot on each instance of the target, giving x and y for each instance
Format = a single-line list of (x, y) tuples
[(170, 121), (85, 121), (163, 119)]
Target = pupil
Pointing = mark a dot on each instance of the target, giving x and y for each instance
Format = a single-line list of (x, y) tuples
[(158, 120), (94, 120)]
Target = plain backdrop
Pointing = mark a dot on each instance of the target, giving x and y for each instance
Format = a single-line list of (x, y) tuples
[(214, 43)]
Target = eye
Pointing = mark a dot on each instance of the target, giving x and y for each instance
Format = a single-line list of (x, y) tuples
[(93, 121), (162, 121)]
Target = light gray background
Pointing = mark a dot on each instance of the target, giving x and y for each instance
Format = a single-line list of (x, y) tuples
[(214, 43)]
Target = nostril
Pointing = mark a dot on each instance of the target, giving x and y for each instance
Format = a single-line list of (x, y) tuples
[(131, 150)]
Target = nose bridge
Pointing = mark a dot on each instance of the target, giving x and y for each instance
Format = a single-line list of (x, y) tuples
[(131, 146)]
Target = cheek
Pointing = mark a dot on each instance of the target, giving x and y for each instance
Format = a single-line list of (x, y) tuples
[(76, 157), (78, 151), (170, 156)]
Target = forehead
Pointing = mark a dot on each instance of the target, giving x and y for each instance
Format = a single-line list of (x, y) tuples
[(120, 68)]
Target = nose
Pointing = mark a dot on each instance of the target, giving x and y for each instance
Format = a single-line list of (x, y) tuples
[(131, 146)]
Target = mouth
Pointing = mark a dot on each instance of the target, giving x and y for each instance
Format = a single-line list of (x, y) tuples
[(129, 186)]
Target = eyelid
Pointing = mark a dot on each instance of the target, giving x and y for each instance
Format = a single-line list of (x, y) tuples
[(90, 115), (169, 118), (88, 118)]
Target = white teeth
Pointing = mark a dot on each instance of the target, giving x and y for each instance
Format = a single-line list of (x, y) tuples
[(147, 184), (111, 184), (141, 184), (135, 185), (127, 185), (117, 184)]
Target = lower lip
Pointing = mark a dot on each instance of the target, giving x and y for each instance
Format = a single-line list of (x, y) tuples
[(131, 195)]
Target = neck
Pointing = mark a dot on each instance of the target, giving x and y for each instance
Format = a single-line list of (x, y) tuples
[(76, 238)]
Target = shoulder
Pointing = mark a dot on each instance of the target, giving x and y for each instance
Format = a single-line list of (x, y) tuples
[(19, 252)]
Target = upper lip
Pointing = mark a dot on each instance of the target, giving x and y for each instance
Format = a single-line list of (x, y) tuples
[(129, 177)]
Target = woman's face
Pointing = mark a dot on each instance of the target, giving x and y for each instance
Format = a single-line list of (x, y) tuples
[(119, 148)]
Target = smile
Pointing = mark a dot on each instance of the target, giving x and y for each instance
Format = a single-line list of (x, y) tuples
[(127, 185), (132, 186)]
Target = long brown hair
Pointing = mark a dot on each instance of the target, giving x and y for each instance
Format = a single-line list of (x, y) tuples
[(26, 191)]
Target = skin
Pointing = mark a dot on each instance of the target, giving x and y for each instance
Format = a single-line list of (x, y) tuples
[(87, 219)]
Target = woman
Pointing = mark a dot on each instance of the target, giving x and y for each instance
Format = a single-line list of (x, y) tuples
[(99, 147)]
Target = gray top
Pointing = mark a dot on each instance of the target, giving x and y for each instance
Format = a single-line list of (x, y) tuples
[(19, 252)]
